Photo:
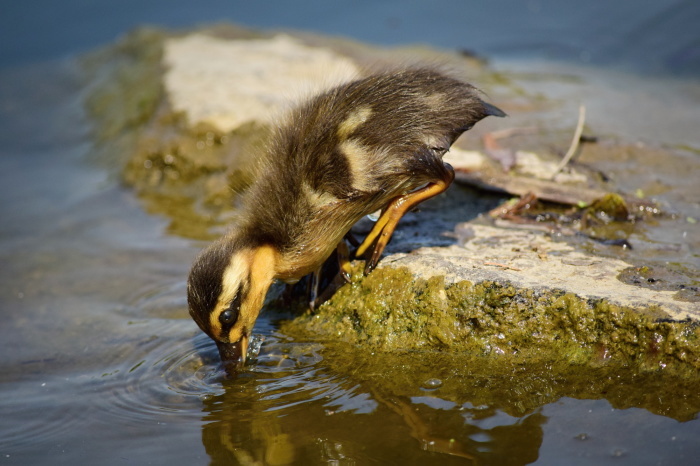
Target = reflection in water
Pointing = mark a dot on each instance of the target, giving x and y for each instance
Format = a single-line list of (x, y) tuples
[(306, 404), (286, 410)]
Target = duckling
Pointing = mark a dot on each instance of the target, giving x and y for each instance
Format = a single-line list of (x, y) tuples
[(370, 144)]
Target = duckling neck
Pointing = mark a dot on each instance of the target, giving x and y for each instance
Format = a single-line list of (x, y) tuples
[(303, 238)]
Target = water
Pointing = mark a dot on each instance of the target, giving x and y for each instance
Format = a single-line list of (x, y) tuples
[(102, 364), (658, 36)]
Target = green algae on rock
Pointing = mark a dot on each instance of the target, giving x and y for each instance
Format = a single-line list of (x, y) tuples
[(392, 310), (495, 345)]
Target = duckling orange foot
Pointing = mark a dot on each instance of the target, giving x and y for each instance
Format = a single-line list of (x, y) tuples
[(386, 224)]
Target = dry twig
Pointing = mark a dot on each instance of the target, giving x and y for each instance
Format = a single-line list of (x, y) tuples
[(503, 266), (574, 143)]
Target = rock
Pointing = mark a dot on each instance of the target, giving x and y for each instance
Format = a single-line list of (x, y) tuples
[(531, 260), (228, 83), (510, 293), (529, 163)]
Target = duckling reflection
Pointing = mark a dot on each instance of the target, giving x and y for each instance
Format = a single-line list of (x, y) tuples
[(375, 143), (244, 426)]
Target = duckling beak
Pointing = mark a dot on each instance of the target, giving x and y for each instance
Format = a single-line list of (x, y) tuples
[(233, 354)]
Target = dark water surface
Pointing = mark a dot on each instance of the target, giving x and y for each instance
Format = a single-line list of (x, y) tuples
[(101, 363)]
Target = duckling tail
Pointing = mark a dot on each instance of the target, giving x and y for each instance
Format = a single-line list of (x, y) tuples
[(492, 110)]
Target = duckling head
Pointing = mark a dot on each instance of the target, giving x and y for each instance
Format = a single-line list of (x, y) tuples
[(226, 290)]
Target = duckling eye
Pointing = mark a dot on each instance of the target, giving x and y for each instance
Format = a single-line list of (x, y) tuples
[(228, 317)]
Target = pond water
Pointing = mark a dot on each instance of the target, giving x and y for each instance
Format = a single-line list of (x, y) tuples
[(101, 362)]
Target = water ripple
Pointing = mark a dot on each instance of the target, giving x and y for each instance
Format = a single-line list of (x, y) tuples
[(167, 370), (168, 375), (174, 372)]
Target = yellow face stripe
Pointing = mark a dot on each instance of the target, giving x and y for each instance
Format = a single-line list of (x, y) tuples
[(234, 275), (254, 269), (263, 264)]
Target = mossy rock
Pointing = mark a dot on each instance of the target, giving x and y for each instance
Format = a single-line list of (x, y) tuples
[(391, 310)]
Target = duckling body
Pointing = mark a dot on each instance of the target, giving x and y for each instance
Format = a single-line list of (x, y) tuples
[(375, 143)]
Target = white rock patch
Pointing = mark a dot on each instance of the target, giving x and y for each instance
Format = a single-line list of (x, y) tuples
[(228, 83)]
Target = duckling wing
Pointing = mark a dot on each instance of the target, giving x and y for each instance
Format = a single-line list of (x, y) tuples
[(349, 150), (352, 139), (399, 124)]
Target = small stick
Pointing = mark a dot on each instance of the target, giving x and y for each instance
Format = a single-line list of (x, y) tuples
[(503, 266), (574, 143)]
